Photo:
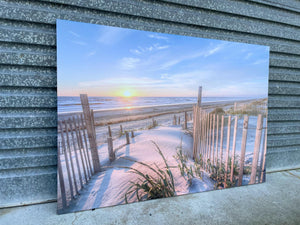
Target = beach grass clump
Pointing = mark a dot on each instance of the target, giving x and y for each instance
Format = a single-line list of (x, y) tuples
[(218, 110), (252, 109), (187, 172), (121, 133), (158, 184), (247, 170), (152, 125), (218, 174)]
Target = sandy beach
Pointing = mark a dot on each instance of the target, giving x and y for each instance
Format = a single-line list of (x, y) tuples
[(141, 117), (109, 186), (111, 116)]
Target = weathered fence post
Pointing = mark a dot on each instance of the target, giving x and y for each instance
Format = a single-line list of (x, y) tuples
[(153, 122), (86, 145), (185, 120), (207, 140), (93, 124), (62, 183), (243, 149), (227, 150), (132, 134), (217, 140), (210, 138), (221, 140), (178, 120), (90, 131), (127, 138), (70, 153), (75, 151), (121, 129), (213, 140), (199, 96), (109, 131), (195, 138), (80, 149), (233, 148), (263, 158), (256, 149), (81, 143), (175, 120), (110, 147), (66, 157)]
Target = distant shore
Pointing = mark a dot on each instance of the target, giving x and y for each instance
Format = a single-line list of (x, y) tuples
[(113, 116)]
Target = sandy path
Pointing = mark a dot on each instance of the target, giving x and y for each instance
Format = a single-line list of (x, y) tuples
[(109, 187)]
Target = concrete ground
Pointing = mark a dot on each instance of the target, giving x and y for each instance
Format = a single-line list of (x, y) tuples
[(275, 202)]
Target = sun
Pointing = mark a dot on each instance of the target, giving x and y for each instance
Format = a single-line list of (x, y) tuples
[(127, 94)]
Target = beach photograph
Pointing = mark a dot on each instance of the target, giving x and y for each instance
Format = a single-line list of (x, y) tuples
[(145, 115)]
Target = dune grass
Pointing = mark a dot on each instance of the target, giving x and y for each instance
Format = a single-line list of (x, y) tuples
[(187, 171), (159, 184)]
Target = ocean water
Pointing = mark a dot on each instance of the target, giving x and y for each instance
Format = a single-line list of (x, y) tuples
[(72, 104)]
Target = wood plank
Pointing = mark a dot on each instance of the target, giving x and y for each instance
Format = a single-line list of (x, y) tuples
[(110, 147), (86, 143), (199, 96), (90, 131), (213, 140), (256, 149), (185, 120), (127, 138), (227, 150), (61, 183), (109, 131), (71, 160), (75, 151), (67, 160), (263, 161), (221, 140), (121, 129), (233, 148), (80, 149), (77, 118), (217, 141), (243, 149)]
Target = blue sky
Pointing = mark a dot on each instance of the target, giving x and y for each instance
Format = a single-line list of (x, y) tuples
[(108, 61)]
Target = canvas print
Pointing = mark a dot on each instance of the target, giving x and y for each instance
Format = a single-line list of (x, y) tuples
[(145, 115)]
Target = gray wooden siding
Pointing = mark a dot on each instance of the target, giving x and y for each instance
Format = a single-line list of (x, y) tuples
[(28, 74)]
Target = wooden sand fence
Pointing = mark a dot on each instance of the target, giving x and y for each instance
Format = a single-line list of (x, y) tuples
[(209, 139), (78, 157)]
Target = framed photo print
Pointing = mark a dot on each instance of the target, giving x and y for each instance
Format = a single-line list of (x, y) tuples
[(145, 115)]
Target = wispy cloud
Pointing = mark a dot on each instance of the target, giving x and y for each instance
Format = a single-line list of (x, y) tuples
[(212, 51), (155, 47), (157, 36), (261, 61), (122, 81), (112, 35), (82, 43), (128, 63), (248, 55), (74, 34), (91, 53), (200, 53)]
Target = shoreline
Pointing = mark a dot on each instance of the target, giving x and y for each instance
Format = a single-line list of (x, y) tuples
[(113, 116)]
